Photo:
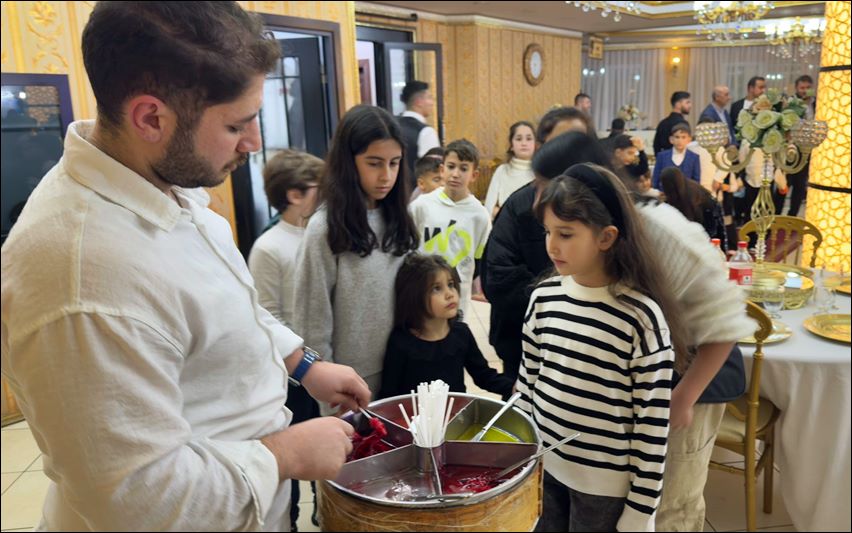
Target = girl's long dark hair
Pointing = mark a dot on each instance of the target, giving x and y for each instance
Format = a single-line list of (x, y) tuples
[(413, 281), (681, 196), (631, 260), (345, 202)]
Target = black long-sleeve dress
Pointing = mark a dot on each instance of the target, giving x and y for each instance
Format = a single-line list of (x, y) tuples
[(410, 361)]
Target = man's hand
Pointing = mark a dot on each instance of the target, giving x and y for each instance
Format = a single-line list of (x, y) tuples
[(336, 384), (638, 143), (680, 411), (311, 450)]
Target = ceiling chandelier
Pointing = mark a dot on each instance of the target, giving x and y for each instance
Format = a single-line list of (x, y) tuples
[(796, 39), (617, 8), (724, 21)]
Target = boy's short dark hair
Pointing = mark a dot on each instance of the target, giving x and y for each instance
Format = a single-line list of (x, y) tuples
[(411, 89), (677, 96), (191, 55), (617, 124), (622, 142), (556, 115), (288, 170), (580, 96), (429, 163), (681, 126), (464, 150)]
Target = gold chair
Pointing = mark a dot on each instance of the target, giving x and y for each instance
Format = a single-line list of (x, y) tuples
[(748, 419), (785, 237)]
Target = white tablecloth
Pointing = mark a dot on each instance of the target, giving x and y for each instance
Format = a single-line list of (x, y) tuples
[(808, 378)]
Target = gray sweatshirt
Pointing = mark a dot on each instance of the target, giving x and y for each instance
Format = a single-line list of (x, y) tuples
[(343, 304)]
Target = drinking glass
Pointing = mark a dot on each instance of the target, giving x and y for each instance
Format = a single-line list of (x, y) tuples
[(773, 300), (823, 293)]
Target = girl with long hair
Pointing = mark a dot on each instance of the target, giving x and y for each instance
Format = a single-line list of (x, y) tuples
[(355, 243), (598, 357)]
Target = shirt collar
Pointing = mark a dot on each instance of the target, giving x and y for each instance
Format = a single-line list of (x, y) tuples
[(96, 170), (719, 110), (414, 114)]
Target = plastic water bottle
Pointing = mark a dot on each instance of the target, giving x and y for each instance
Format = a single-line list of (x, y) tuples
[(717, 245), (741, 265)]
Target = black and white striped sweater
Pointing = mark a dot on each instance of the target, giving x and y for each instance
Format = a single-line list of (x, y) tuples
[(601, 366)]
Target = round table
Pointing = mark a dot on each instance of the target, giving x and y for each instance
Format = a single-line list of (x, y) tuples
[(808, 378)]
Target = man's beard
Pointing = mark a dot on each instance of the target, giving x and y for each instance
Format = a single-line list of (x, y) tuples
[(183, 167)]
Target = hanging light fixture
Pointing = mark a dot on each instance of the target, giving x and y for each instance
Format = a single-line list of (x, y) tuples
[(799, 39), (616, 8), (725, 21)]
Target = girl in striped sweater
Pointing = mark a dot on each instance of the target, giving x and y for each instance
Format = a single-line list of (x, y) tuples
[(598, 358)]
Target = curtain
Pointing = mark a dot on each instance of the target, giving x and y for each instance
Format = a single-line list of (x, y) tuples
[(733, 66), (624, 77)]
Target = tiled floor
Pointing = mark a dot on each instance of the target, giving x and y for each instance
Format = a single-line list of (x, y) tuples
[(25, 485)]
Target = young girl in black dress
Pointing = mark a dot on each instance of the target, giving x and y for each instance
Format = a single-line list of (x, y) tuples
[(428, 342)]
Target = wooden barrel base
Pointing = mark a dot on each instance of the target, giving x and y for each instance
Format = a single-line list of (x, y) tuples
[(515, 510)]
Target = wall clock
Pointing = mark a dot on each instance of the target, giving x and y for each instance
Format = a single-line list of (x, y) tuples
[(534, 64)]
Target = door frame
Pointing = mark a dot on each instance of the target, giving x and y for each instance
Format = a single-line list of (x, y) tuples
[(439, 71)]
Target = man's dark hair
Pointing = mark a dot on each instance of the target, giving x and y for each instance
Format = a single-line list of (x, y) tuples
[(411, 89), (681, 126), (677, 96), (753, 81), (617, 124), (580, 96), (190, 55), (804, 77), (464, 150)]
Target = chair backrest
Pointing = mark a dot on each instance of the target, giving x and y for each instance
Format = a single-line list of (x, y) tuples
[(764, 329), (785, 237)]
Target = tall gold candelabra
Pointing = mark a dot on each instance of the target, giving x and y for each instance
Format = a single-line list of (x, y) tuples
[(804, 137)]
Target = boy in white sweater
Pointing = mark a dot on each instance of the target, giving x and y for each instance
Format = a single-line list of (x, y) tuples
[(451, 221)]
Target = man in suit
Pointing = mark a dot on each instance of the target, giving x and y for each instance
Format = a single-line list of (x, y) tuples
[(681, 106), (799, 180), (756, 86), (716, 111)]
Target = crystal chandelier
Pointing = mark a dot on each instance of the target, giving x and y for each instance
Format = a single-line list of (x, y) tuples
[(724, 21), (796, 39), (631, 8)]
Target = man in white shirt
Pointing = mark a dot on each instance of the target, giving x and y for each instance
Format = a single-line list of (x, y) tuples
[(419, 137), (152, 380)]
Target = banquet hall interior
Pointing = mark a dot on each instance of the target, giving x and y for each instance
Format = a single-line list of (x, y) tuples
[(735, 116)]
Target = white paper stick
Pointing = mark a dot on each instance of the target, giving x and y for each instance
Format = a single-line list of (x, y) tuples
[(405, 416)]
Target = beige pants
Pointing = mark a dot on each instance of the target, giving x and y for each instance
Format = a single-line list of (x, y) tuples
[(689, 450)]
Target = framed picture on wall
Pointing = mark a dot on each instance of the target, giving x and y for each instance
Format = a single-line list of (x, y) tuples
[(596, 48)]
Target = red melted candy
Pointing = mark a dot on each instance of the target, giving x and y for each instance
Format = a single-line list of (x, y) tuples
[(457, 479), (372, 444)]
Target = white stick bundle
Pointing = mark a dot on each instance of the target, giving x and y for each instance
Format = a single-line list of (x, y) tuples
[(431, 414)]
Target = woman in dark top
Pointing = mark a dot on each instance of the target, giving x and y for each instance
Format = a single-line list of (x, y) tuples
[(428, 341), (695, 203)]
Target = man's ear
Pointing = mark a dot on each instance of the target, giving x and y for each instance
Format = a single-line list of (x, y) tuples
[(607, 238), (150, 119)]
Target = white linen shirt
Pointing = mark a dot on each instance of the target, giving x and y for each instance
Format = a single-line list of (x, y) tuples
[(133, 339)]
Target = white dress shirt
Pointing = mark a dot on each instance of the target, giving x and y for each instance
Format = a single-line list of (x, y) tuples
[(427, 138), (133, 339)]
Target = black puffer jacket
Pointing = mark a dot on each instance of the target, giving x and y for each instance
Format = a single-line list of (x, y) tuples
[(515, 258)]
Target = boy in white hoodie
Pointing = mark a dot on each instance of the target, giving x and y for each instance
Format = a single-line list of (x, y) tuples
[(452, 223)]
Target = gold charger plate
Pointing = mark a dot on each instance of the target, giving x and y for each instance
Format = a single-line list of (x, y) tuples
[(831, 326), (844, 287), (780, 332)]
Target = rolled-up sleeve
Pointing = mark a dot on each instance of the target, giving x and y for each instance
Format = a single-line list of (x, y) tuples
[(103, 395)]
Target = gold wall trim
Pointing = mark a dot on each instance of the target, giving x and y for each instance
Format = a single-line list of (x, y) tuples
[(79, 66), (15, 28)]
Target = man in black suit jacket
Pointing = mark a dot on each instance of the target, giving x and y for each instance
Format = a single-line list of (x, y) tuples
[(756, 87), (681, 106)]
